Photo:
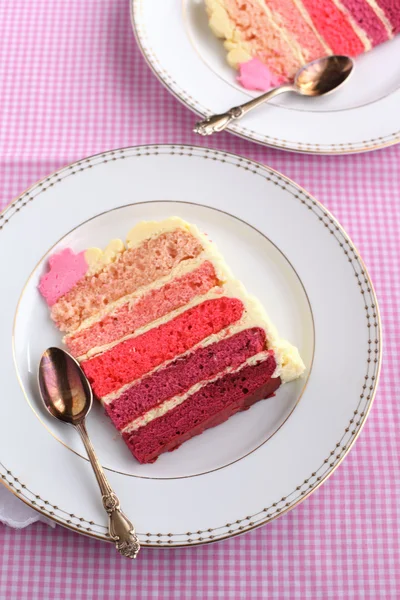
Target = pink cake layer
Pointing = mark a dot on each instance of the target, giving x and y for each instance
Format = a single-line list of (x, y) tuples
[(178, 377), (294, 23), (367, 19), (334, 26), (211, 405), (392, 11), (266, 41), (136, 267), (136, 356), (149, 307)]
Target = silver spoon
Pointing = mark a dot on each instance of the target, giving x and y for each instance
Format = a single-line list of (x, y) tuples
[(67, 395), (317, 78)]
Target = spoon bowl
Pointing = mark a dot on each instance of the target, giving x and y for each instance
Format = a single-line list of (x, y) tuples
[(64, 388), (323, 76)]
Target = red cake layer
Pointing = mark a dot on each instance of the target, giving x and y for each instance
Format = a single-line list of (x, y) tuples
[(151, 306), (136, 267), (178, 377), (334, 26), (211, 405), (136, 356)]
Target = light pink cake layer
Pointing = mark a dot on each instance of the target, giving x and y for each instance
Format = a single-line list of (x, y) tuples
[(149, 307), (301, 31), (136, 267), (334, 26)]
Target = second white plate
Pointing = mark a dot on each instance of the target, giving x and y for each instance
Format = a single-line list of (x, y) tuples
[(361, 116)]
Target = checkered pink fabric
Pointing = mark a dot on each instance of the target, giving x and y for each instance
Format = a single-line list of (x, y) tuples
[(73, 83)]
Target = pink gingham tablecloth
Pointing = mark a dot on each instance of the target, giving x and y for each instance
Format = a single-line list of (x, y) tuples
[(73, 83)]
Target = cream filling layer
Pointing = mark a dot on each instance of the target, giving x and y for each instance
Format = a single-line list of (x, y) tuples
[(226, 333), (222, 271), (215, 292), (360, 33), (167, 405), (380, 13), (289, 363)]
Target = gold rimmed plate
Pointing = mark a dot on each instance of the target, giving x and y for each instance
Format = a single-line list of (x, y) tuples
[(361, 116), (261, 231)]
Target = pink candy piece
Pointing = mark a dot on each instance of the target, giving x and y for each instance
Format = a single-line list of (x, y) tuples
[(255, 75), (65, 270)]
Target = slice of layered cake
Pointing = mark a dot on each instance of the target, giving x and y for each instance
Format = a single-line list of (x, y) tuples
[(171, 343), (269, 40)]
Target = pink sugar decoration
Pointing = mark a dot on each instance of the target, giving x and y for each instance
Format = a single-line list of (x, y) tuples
[(255, 75), (65, 270)]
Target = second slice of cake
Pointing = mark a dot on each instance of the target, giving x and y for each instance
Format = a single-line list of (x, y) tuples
[(170, 341), (267, 41)]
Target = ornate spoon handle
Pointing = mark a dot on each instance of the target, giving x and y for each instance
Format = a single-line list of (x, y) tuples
[(217, 123), (120, 528)]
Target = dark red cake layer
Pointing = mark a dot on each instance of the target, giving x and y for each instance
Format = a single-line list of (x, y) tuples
[(135, 357), (211, 405), (366, 18), (183, 373)]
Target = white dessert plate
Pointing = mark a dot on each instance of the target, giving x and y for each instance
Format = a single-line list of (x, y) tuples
[(287, 249), (177, 43)]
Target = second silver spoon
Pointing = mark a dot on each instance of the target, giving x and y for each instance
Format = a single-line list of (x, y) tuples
[(317, 78)]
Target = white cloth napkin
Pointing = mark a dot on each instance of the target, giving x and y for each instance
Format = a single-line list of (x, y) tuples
[(15, 513)]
